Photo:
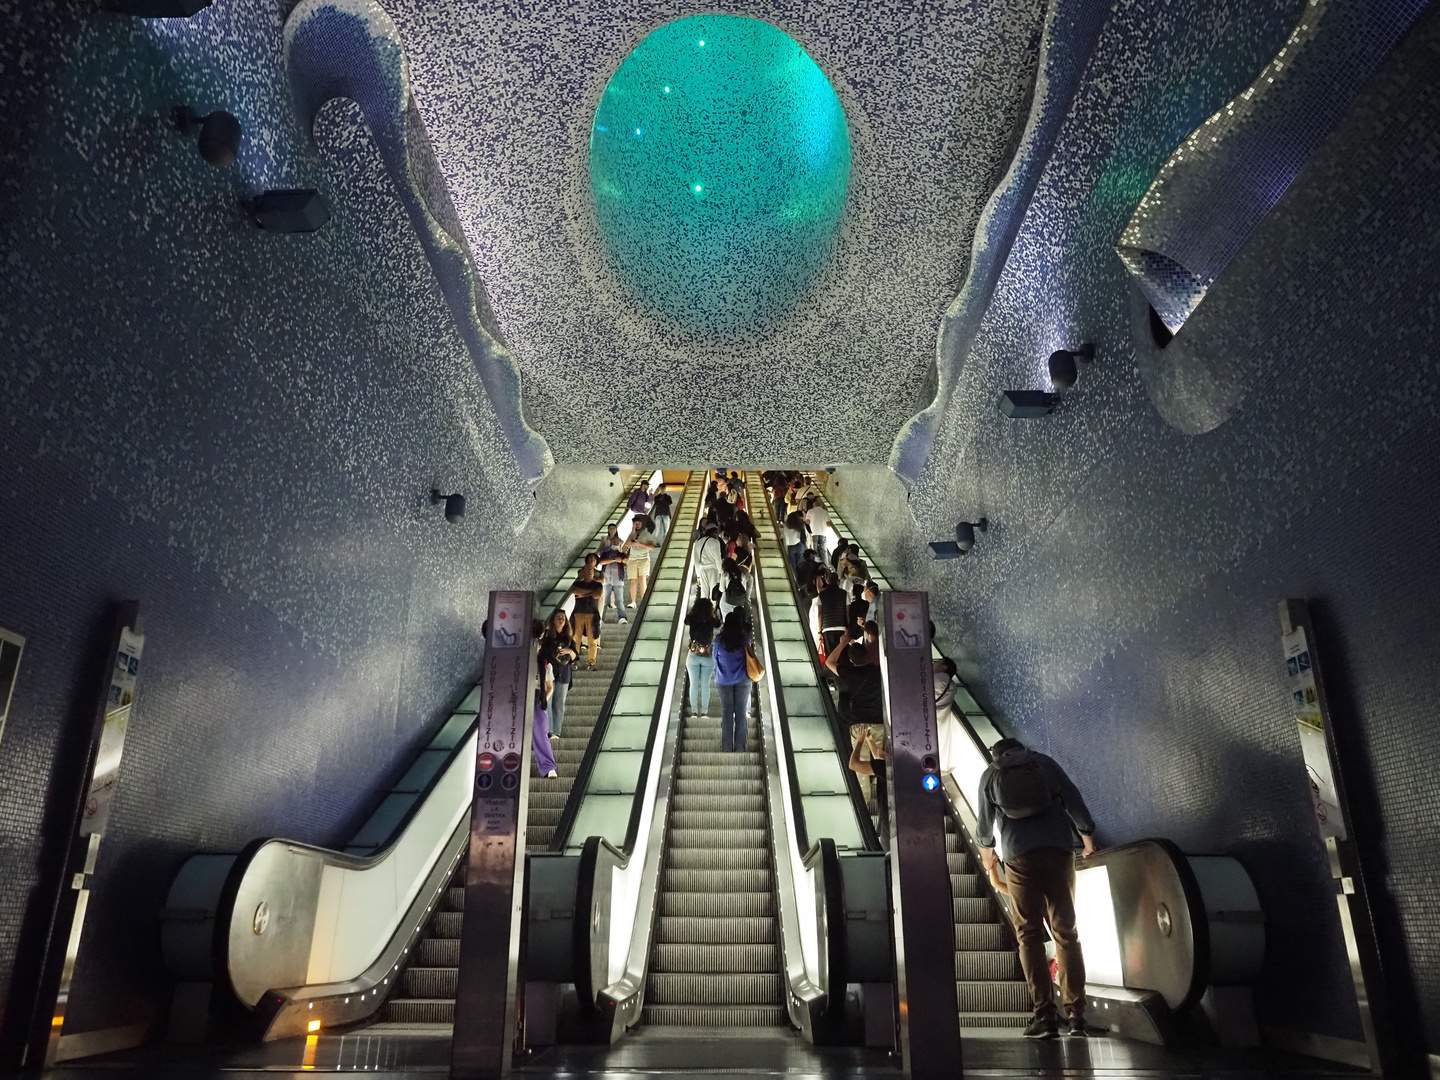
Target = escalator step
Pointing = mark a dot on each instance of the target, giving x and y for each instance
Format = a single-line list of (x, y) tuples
[(724, 881), (728, 775), (439, 952), (981, 935), (712, 1016), (454, 898), (429, 982), (716, 801), (538, 837), (994, 1020), (672, 929), (717, 859), (708, 989), (967, 885), (717, 838), (739, 759), (715, 959), (720, 820), (997, 964), (709, 905), (418, 1011), (446, 924), (703, 786), (977, 997), (968, 910)]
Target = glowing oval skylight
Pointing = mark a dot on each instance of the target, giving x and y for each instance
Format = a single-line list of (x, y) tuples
[(720, 161)]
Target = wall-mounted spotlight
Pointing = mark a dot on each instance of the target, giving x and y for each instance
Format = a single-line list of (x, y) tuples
[(1063, 370), (1027, 404), (296, 211), (614, 470), (454, 505), (963, 542), (830, 469), (219, 133)]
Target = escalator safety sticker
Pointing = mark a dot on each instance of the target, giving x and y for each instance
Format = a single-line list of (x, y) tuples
[(494, 817), (512, 762), (907, 629), (487, 761)]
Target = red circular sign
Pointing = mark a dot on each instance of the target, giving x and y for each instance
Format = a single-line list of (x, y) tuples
[(487, 761), (512, 762)]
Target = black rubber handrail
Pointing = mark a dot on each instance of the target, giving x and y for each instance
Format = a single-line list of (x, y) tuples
[(839, 729), (602, 722)]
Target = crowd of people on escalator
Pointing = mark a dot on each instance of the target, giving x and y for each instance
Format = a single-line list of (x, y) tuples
[(620, 565)]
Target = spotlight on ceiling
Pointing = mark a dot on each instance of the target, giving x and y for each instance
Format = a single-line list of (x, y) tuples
[(296, 211), (830, 469), (1063, 371), (454, 505), (219, 133), (963, 542), (1027, 404), (614, 470)]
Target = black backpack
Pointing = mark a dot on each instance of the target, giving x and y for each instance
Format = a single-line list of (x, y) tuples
[(1019, 787)]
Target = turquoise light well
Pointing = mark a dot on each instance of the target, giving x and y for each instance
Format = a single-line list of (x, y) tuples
[(720, 161)]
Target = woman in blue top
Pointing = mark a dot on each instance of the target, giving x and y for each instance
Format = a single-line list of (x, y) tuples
[(733, 680)]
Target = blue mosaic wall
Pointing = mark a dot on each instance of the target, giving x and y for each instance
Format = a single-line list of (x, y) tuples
[(1121, 611), (240, 430)]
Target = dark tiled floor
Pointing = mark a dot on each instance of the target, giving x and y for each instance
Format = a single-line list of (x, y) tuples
[(698, 1054)]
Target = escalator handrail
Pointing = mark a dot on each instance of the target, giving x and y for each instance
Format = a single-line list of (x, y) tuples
[(839, 729), (602, 722)]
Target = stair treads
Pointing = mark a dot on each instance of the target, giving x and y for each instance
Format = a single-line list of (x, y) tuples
[(429, 982), (732, 775), (980, 935), (717, 838), (713, 1016), (989, 996), (420, 1011), (995, 1020), (973, 909), (726, 881), (439, 952), (446, 924), (716, 959), (709, 989), (997, 964), (714, 786), (738, 930), (717, 819), (709, 905), (727, 759), (968, 886), (717, 859), (454, 899), (745, 800)]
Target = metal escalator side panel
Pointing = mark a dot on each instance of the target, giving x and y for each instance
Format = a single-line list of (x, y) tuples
[(795, 885)]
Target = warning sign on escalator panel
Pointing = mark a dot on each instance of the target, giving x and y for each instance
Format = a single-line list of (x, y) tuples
[(907, 625)]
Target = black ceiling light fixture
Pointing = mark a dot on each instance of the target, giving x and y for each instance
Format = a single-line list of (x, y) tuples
[(963, 542), (299, 210), (614, 470), (218, 133), (454, 505), (1064, 371)]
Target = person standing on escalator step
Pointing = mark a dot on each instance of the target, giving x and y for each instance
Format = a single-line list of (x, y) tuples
[(709, 558), (585, 620), (834, 613), (733, 681), (660, 512), (540, 719), (1026, 798)]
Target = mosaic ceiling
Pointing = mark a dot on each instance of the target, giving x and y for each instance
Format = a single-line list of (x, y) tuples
[(825, 344)]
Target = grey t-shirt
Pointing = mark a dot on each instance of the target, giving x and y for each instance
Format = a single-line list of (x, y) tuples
[(1053, 827)]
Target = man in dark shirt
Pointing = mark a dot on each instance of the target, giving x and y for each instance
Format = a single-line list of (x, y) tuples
[(862, 690), (1028, 800), (661, 513), (834, 613)]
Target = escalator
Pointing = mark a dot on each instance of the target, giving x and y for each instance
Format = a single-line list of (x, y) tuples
[(426, 995), (716, 961), (990, 988)]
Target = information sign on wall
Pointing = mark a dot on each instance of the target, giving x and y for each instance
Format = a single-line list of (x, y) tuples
[(1305, 701)]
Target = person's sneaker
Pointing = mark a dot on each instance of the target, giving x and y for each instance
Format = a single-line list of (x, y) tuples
[(1041, 1028), (623, 620), (554, 735), (551, 775), (1078, 1028)]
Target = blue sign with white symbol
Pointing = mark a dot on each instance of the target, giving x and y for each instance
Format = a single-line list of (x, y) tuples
[(931, 782)]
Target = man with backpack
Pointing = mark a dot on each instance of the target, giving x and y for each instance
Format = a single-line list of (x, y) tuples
[(1035, 809)]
